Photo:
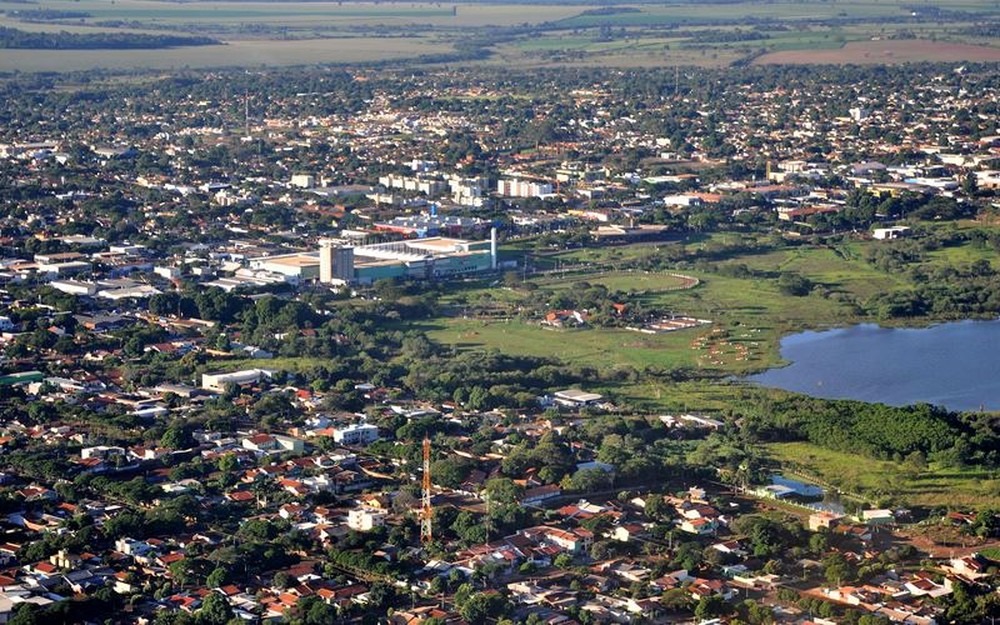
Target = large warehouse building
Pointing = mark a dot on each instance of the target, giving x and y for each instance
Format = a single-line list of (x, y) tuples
[(434, 257)]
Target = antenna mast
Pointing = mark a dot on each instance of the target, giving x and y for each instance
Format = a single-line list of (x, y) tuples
[(426, 511), (246, 113)]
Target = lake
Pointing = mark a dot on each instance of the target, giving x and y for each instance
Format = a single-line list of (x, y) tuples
[(955, 365)]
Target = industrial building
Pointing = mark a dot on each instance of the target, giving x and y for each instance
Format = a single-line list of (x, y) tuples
[(433, 257)]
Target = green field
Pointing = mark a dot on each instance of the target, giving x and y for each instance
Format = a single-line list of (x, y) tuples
[(749, 315), (605, 348), (656, 34), (753, 311), (620, 281), (880, 481), (702, 13)]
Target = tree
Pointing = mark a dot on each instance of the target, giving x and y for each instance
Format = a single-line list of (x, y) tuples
[(483, 607), (217, 578), (176, 437), (819, 543), (794, 284), (381, 596), (469, 527), (215, 610), (837, 569), (281, 579), (970, 184), (712, 606), (314, 611), (563, 561), (676, 599), (24, 615)]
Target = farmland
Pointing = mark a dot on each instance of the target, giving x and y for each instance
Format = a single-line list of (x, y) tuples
[(900, 51), (515, 35)]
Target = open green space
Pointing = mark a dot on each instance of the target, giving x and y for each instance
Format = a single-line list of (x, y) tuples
[(738, 290), (621, 281), (880, 481), (749, 310), (604, 348)]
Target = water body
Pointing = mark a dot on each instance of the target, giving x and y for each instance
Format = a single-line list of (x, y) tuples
[(955, 365)]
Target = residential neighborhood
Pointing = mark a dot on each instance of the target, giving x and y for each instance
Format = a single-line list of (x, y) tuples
[(229, 393)]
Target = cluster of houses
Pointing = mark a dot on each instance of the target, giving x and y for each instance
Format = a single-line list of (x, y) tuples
[(169, 214)]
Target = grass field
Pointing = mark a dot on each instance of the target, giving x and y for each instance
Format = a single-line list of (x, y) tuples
[(605, 348), (752, 313), (621, 281), (749, 315), (316, 13), (876, 479)]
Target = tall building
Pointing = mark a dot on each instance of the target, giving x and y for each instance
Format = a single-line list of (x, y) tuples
[(336, 262), (523, 188)]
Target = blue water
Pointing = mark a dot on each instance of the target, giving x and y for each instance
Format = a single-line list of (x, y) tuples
[(955, 365)]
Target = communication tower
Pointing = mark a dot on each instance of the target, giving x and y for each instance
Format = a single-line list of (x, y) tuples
[(426, 511)]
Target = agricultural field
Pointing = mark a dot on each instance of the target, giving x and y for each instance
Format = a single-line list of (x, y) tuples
[(516, 35), (236, 53), (310, 14), (885, 52)]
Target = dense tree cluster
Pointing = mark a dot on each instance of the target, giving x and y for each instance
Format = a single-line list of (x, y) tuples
[(12, 38), (874, 430)]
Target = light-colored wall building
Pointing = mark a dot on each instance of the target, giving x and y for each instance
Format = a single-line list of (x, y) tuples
[(336, 263), (523, 188), (356, 434), (218, 381), (365, 519)]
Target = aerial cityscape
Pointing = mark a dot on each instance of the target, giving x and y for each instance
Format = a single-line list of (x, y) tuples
[(497, 312)]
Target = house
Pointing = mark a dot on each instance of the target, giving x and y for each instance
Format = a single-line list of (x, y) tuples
[(578, 540), (576, 398), (627, 532), (563, 318), (970, 567), (365, 519), (541, 494), (701, 588), (272, 443), (894, 232), (356, 434), (823, 520), (877, 517), (923, 584), (699, 527)]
